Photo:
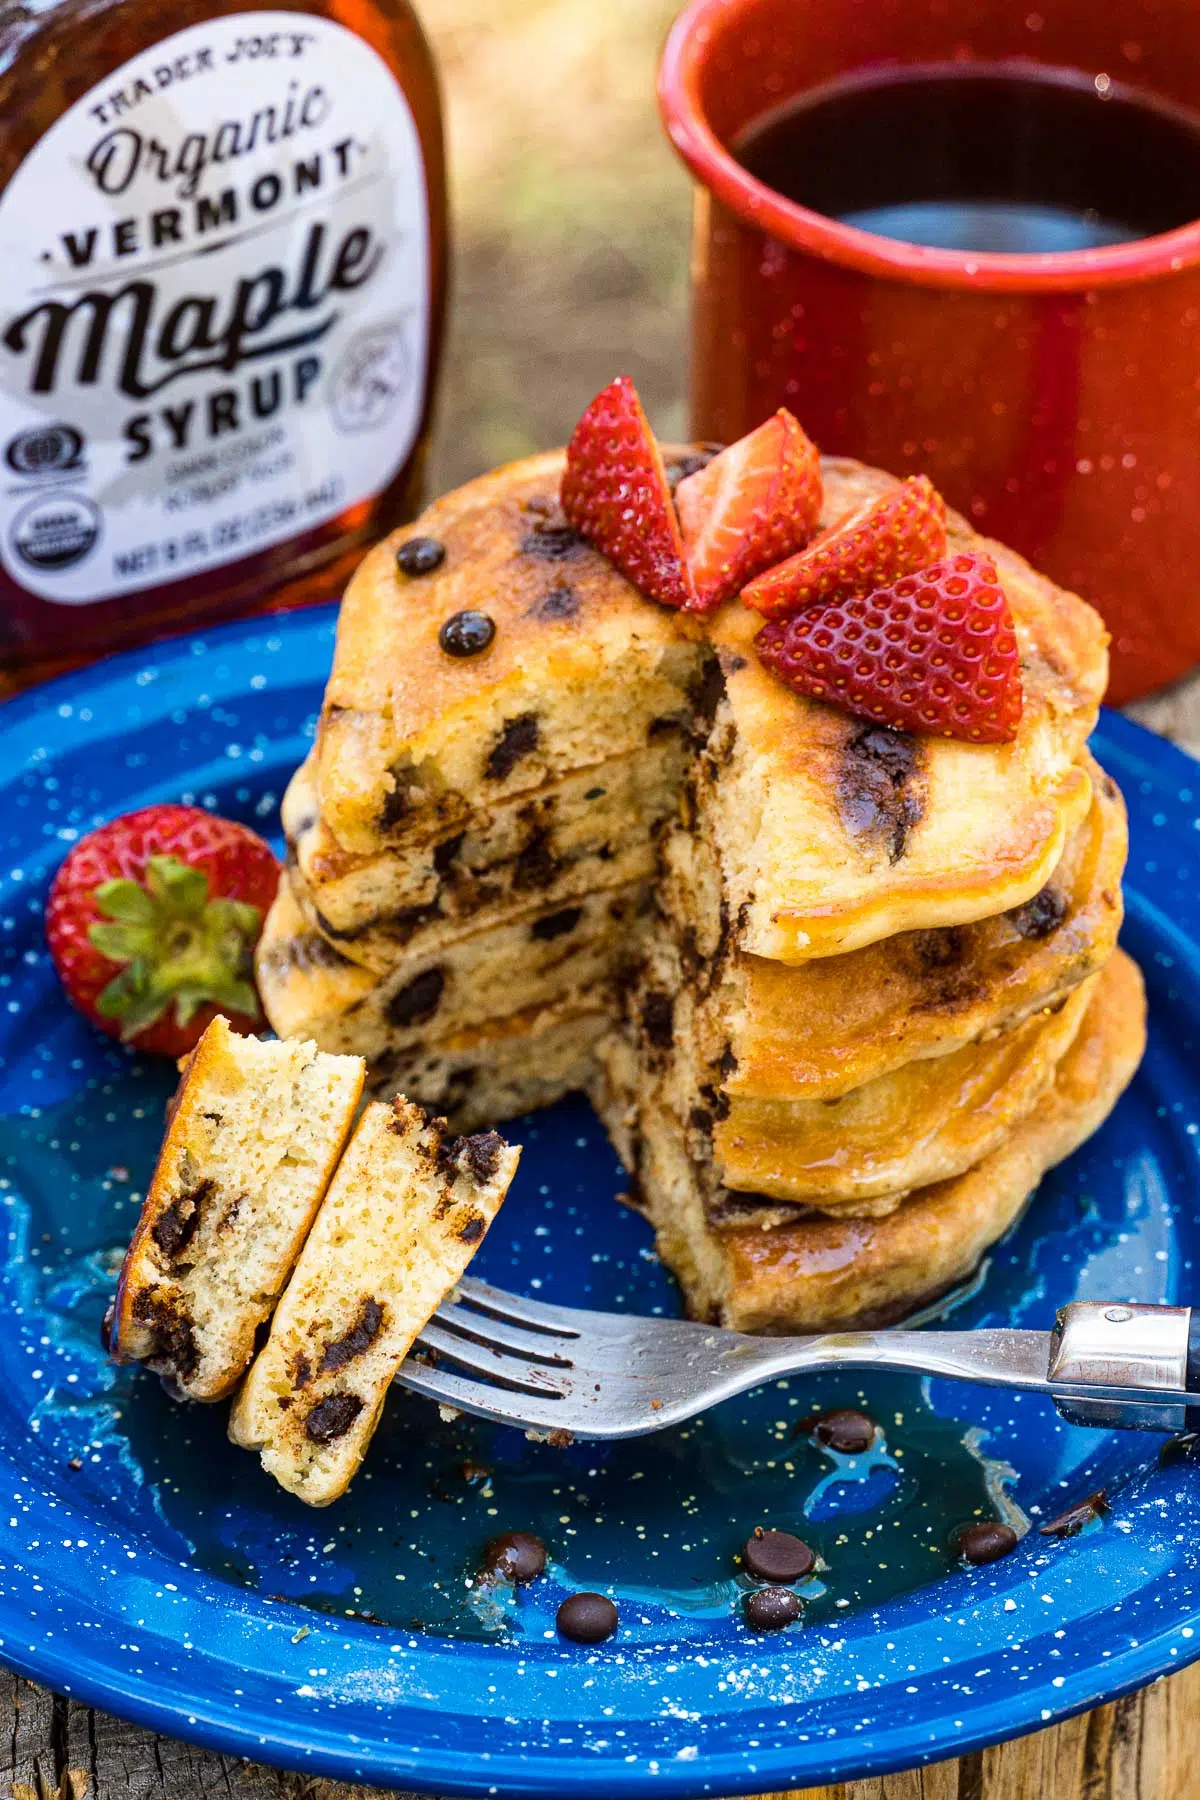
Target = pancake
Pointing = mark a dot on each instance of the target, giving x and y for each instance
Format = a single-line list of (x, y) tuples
[(594, 828), (818, 1274), (928, 993), (838, 835), (921, 1123), (539, 957), (832, 834)]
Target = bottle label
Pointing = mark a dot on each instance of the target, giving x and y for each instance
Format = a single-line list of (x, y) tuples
[(214, 318)]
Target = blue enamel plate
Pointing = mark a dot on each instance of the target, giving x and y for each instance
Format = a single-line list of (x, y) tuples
[(148, 1567)]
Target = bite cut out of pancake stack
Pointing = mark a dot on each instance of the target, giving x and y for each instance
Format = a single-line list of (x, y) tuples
[(840, 994)]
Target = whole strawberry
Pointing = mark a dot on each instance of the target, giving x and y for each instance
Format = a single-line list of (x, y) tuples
[(152, 922), (934, 653)]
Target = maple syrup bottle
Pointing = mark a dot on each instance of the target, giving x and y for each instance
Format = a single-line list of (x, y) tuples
[(222, 260)]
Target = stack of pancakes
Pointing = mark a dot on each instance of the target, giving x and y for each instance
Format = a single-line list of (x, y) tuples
[(841, 995)]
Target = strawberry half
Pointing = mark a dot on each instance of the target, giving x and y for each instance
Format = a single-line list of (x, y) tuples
[(898, 534), (152, 922), (750, 507), (615, 494), (935, 652)]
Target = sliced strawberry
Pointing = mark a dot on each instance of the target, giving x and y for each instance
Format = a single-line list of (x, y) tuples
[(751, 506), (934, 652), (898, 534), (615, 494)]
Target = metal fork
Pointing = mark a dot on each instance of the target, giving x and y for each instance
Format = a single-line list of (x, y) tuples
[(609, 1375)]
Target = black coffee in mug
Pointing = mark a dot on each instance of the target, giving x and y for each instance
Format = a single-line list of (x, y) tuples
[(983, 157)]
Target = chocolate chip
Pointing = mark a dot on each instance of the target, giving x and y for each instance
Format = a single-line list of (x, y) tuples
[(586, 1618), (880, 787), (466, 633), (332, 1418), (365, 1329), (771, 1608), (417, 1000), (420, 556), (658, 1019), (445, 853), (535, 865), (552, 542), (473, 1230), (518, 738), (561, 602), (985, 1543), (1068, 1524), (175, 1228), (1040, 917), (777, 1556), (556, 925), (481, 1152), (516, 1556), (845, 1431)]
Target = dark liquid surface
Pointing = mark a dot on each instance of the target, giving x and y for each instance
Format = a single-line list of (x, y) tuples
[(984, 157)]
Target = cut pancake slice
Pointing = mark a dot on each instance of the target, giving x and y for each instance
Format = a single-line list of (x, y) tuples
[(822, 1274), (921, 1123), (539, 957), (590, 829), (406, 1211), (253, 1140), (928, 993)]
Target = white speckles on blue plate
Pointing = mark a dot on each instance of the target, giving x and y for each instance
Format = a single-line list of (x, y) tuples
[(148, 1567)]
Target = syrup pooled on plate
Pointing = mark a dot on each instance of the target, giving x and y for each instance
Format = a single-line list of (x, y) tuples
[(984, 157)]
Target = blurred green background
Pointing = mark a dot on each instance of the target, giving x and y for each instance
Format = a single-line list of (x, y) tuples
[(569, 217)]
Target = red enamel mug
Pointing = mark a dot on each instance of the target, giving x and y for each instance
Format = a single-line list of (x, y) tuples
[(1053, 398)]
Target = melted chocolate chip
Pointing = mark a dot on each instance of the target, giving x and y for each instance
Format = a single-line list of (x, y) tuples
[(562, 602), (472, 1231), (728, 1062), (658, 1019), (586, 1618), (332, 1418), (394, 808), (535, 866), (466, 633), (417, 1000), (552, 541), (176, 1351), (556, 925), (1068, 1524), (518, 738), (361, 1335), (174, 1230), (482, 1152), (771, 1609), (985, 1543), (846, 1431), (420, 556), (777, 1556), (445, 854), (1041, 916), (516, 1556), (706, 694), (879, 790)]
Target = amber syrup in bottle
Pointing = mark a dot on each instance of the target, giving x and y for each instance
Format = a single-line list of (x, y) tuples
[(222, 231)]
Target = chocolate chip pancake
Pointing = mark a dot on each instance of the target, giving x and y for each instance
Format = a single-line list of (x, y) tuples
[(552, 834)]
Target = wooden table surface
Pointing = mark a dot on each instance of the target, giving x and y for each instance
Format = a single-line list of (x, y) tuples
[(1145, 1747)]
